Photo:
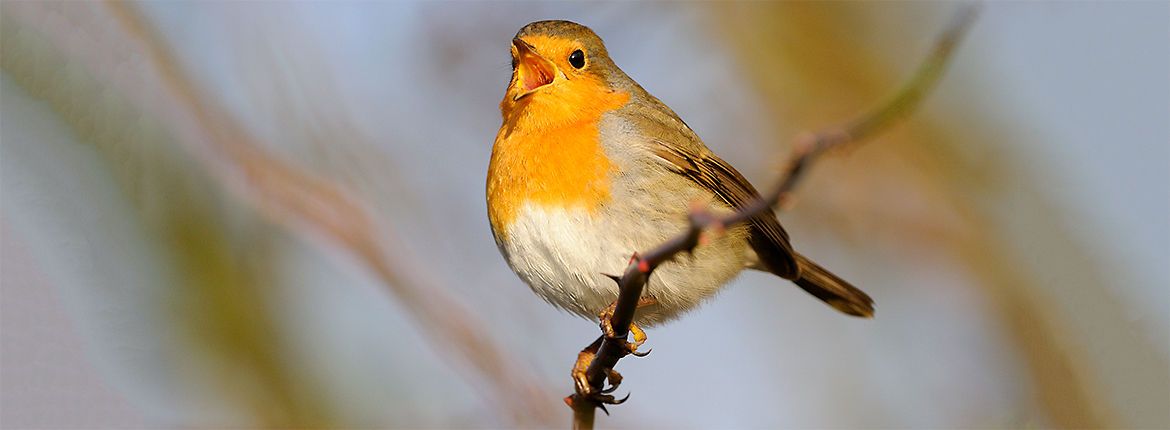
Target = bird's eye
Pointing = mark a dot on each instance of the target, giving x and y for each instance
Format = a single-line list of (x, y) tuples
[(577, 59)]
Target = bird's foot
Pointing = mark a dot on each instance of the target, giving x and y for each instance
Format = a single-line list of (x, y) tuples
[(585, 390), (606, 316)]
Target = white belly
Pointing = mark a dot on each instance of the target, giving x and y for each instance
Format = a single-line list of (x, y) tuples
[(564, 255)]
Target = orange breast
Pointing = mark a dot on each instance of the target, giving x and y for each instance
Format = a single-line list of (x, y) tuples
[(549, 154)]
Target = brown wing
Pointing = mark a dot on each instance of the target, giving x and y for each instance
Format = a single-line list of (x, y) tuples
[(665, 135), (768, 238)]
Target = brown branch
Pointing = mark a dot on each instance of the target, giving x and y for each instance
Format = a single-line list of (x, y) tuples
[(808, 147)]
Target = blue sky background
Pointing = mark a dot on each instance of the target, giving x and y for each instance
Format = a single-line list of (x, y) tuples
[(398, 103)]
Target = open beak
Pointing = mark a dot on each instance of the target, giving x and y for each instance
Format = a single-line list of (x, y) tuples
[(532, 70)]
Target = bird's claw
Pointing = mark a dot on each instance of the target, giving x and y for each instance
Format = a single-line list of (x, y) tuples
[(639, 340), (615, 379), (604, 396), (639, 335), (585, 390), (580, 369), (599, 400)]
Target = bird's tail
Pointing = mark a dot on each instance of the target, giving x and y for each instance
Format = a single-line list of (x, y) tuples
[(835, 291)]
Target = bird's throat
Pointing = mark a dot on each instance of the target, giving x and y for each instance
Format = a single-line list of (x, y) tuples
[(549, 156)]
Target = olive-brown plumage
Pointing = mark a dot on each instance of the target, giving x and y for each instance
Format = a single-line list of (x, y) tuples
[(588, 167)]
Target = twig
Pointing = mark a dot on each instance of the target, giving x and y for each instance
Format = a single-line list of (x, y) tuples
[(808, 147), (309, 204)]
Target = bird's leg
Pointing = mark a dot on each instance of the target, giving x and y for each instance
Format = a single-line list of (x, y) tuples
[(584, 359), (639, 335), (584, 389), (581, 378)]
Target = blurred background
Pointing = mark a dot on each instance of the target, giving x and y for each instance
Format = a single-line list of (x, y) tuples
[(272, 215)]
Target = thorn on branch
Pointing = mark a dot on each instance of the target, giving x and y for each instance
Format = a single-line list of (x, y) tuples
[(643, 266), (806, 148)]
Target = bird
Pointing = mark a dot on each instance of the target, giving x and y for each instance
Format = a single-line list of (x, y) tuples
[(587, 168)]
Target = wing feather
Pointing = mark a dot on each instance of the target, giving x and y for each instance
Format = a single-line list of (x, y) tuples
[(768, 237)]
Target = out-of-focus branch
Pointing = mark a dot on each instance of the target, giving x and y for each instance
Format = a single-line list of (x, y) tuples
[(291, 196), (808, 147)]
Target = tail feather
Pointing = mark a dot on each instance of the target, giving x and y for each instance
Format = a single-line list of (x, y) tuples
[(832, 290)]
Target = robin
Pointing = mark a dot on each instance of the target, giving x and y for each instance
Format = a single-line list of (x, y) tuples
[(588, 168)]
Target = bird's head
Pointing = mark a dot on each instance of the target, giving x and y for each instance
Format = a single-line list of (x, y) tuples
[(558, 67)]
